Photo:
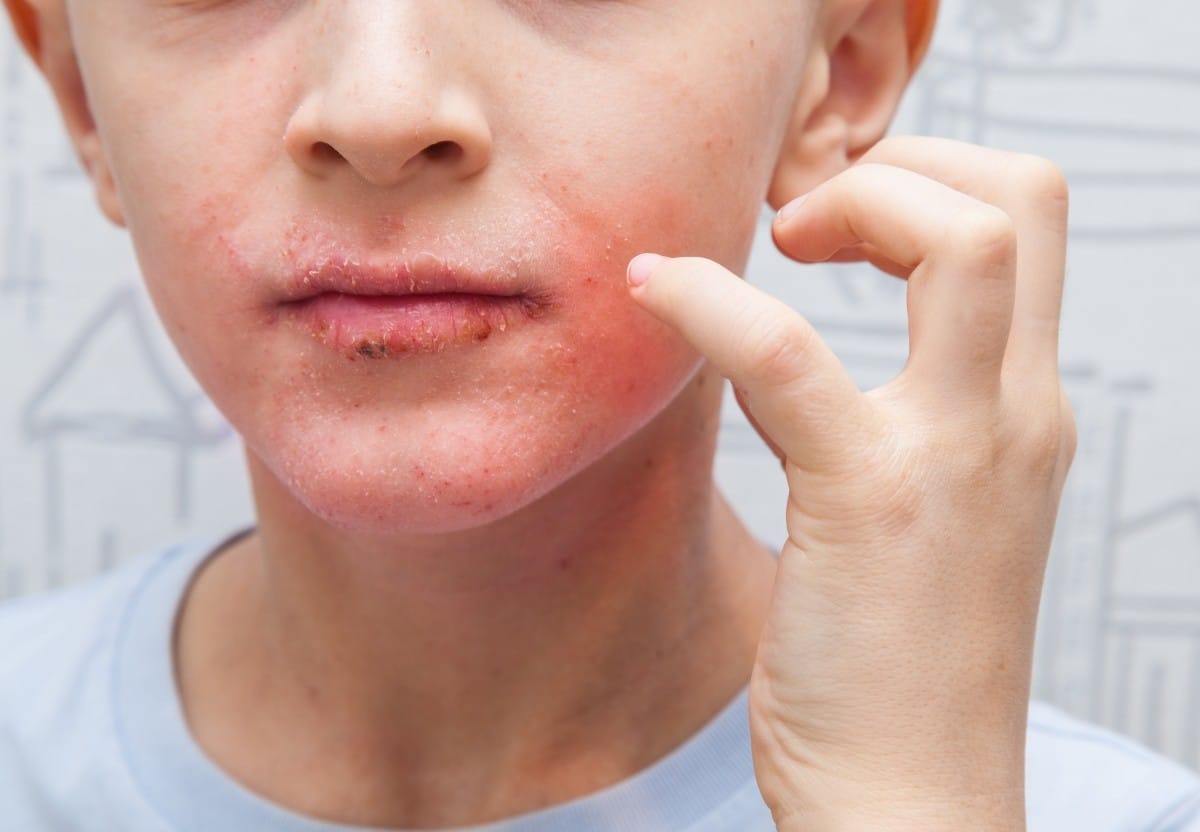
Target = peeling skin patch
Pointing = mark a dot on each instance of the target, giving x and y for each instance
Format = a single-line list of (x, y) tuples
[(379, 328), (372, 349), (391, 344)]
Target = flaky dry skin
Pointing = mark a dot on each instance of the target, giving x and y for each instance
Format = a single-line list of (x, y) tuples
[(410, 331)]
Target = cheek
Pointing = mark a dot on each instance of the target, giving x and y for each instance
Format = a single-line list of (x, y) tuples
[(455, 440), (624, 349), (599, 366)]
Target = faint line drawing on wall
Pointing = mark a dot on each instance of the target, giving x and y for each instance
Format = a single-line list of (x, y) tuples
[(1005, 86), (22, 272), (161, 413)]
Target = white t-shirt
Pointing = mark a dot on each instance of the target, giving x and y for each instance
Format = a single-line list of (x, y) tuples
[(92, 738)]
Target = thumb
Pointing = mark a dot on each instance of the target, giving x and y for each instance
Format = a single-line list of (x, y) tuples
[(799, 392)]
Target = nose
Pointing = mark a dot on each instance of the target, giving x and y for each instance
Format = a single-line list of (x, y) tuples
[(390, 103)]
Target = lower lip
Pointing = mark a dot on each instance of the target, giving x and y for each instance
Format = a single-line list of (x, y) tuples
[(392, 326)]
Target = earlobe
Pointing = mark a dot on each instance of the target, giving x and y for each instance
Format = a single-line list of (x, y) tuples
[(91, 154), (44, 31), (859, 66)]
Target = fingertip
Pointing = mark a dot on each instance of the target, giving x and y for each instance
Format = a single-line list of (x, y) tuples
[(641, 267), (790, 210)]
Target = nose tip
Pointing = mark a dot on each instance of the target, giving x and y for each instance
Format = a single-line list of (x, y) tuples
[(386, 143)]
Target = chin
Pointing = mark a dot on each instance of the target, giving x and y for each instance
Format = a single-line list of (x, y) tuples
[(442, 485), (378, 461), (402, 511)]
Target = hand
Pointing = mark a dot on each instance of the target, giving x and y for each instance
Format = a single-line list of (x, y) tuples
[(891, 684)]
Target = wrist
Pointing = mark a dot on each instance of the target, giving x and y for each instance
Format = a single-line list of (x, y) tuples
[(967, 795), (993, 813), (962, 774)]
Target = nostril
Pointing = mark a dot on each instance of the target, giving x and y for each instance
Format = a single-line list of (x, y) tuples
[(443, 152), (325, 152)]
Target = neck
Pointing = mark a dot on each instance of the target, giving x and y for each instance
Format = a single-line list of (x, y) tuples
[(617, 614)]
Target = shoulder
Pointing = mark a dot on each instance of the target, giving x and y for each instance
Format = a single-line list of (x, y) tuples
[(41, 634), (51, 641), (61, 759), (56, 652), (1082, 776)]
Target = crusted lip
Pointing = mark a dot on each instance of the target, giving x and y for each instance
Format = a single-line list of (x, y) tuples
[(425, 274)]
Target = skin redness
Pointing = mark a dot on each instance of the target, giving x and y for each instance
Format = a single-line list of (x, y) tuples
[(380, 148)]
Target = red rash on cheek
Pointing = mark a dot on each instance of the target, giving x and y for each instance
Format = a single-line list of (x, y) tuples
[(445, 437), (612, 351)]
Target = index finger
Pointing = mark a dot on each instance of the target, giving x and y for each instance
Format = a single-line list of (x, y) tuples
[(797, 389)]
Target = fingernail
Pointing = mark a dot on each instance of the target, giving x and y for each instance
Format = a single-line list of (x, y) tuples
[(791, 209), (641, 267)]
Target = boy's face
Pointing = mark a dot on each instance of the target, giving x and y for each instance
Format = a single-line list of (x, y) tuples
[(532, 145)]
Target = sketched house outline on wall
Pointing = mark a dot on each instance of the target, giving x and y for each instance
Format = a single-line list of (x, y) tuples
[(960, 93), (1139, 625), (55, 412)]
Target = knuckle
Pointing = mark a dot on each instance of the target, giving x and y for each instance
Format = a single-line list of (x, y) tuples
[(775, 349), (985, 233), (1043, 441), (1043, 186), (1047, 444), (1041, 176)]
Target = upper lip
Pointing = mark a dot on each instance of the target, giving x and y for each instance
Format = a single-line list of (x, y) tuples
[(422, 275)]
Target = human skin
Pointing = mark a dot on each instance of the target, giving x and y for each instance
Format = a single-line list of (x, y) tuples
[(488, 558), (219, 207), (919, 513), (444, 534)]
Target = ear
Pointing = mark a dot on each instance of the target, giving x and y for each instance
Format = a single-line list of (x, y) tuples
[(43, 28), (862, 58)]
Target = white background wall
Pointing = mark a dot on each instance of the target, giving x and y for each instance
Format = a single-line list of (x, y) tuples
[(107, 448)]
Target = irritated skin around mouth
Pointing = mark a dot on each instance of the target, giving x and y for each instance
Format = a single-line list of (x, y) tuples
[(378, 327)]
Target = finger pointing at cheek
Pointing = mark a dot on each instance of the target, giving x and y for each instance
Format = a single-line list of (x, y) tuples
[(791, 380)]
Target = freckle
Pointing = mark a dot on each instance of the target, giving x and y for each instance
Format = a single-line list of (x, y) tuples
[(311, 693), (564, 564), (649, 464)]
